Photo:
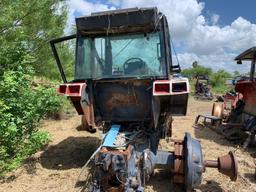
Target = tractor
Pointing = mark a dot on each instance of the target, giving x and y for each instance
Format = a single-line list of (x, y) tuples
[(125, 86), (237, 113), (203, 88), (246, 111)]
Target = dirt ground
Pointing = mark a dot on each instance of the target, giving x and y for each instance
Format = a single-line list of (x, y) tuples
[(56, 168)]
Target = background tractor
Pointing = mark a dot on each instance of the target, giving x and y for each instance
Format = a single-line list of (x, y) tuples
[(238, 110), (203, 88), (124, 85), (245, 110)]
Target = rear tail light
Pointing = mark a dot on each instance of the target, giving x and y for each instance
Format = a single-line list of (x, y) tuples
[(179, 87), (74, 89), (170, 87), (62, 89), (74, 92), (162, 88), (71, 89)]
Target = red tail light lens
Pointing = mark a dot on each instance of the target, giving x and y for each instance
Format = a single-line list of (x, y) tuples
[(162, 88), (74, 89), (71, 89), (62, 89)]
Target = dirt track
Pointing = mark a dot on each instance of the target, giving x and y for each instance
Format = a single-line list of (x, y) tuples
[(56, 168)]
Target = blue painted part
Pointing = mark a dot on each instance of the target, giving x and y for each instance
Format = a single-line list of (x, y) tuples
[(193, 162), (165, 158), (111, 136)]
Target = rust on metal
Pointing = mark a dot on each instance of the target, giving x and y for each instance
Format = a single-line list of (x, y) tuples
[(121, 100), (116, 189), (217, 109), (178, 169), (86, 126), (127, 81), (89, 114), (211, 163), (117, 99), (226, 165), (87, 106), (168, 124), (106, 185), (126, 152), (107, 178)]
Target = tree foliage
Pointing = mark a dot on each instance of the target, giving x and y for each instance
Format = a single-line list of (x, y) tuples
[(217, 79), (195, 71), (25, 30), (22, 106)]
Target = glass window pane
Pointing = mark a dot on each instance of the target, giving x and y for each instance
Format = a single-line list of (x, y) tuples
[(139, 55)]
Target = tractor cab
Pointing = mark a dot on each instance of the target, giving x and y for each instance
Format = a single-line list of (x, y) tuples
[(123, 68)]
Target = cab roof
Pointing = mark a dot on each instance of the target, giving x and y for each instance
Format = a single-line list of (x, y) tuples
[(247, 55), (119, 21)]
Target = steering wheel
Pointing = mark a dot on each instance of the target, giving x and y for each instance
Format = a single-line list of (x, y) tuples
[(132, 64)]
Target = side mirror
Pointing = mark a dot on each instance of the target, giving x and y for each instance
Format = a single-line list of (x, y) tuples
[(239, 62)]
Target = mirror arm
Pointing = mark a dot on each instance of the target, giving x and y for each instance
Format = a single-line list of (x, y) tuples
[(56, 56)]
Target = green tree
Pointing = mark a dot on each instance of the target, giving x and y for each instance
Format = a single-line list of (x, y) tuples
[(26, 28), (219, 78), (197, 70)]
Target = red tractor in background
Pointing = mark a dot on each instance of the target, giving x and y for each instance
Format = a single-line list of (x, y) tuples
[(247, 87), (239, 106)]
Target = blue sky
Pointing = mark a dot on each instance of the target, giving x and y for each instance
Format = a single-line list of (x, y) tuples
[(211, 32), (229, 10)]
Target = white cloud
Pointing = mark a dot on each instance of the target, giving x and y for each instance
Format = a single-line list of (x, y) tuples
[(215, 19), (238, 36), (211, 44), (83, 7), (182, 15)]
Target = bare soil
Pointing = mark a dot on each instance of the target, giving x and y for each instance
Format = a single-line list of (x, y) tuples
[(56, 168)]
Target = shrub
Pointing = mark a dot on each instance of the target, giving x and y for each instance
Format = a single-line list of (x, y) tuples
[(219, 78), (21, 108)]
